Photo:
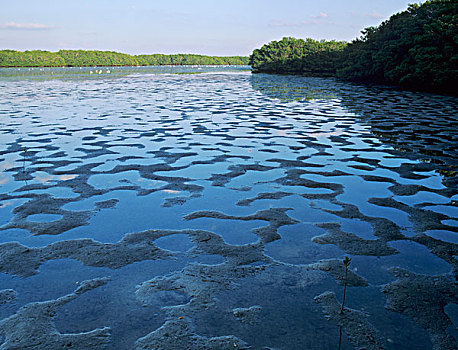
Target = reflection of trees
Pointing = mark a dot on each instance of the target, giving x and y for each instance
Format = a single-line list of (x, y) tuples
[(52, 73), (293, 88), (49, 73), (424, 126)]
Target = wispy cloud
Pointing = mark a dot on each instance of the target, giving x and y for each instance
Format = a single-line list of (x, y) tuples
[(25, 26), (321, 15), (313, 21), (374, 14)]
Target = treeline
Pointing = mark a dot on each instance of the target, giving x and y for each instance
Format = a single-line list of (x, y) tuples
[(298, 56), (190, 59), (416, 49), (83, 58)]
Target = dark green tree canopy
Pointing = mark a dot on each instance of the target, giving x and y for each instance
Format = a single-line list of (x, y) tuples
[(415, 49), (82, 58), (297, 56)]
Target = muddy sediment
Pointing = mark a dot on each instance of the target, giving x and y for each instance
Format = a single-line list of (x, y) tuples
[(324, 166), (423, 298), (179, 333), (7, 296), (17, 259), (354, 323), (41, 333)]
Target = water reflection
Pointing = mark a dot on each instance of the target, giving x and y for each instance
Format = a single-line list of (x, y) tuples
[(51, 73), (293, 88), (270, 179), (420, 125)]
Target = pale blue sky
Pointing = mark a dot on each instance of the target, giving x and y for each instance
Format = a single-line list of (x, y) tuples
[(211, 27)]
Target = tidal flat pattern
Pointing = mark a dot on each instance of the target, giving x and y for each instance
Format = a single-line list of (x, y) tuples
[(149, 210)]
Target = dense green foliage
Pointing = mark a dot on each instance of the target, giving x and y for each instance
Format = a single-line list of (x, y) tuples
[(96, 58), (189, 59), (416, 49), (297, 56), (37, 58)]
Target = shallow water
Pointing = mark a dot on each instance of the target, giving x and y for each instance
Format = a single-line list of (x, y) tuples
[(220, 206)]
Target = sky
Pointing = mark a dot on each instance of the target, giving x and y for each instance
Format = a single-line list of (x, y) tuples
[(208, 27)]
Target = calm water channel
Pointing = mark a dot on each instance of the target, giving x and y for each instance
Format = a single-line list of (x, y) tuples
[(209, 208)]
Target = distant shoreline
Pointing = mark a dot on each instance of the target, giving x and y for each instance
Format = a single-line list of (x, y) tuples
[(127, 66), (88, 58)]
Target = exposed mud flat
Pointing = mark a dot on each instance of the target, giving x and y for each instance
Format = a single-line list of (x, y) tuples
[(32, 327), (220, 206)]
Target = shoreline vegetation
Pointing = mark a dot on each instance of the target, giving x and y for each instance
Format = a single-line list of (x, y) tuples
[(416, 49), (88, 58)]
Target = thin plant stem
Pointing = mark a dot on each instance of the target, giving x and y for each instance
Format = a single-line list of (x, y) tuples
[(346, 262), (340, 337), (344, 291)]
